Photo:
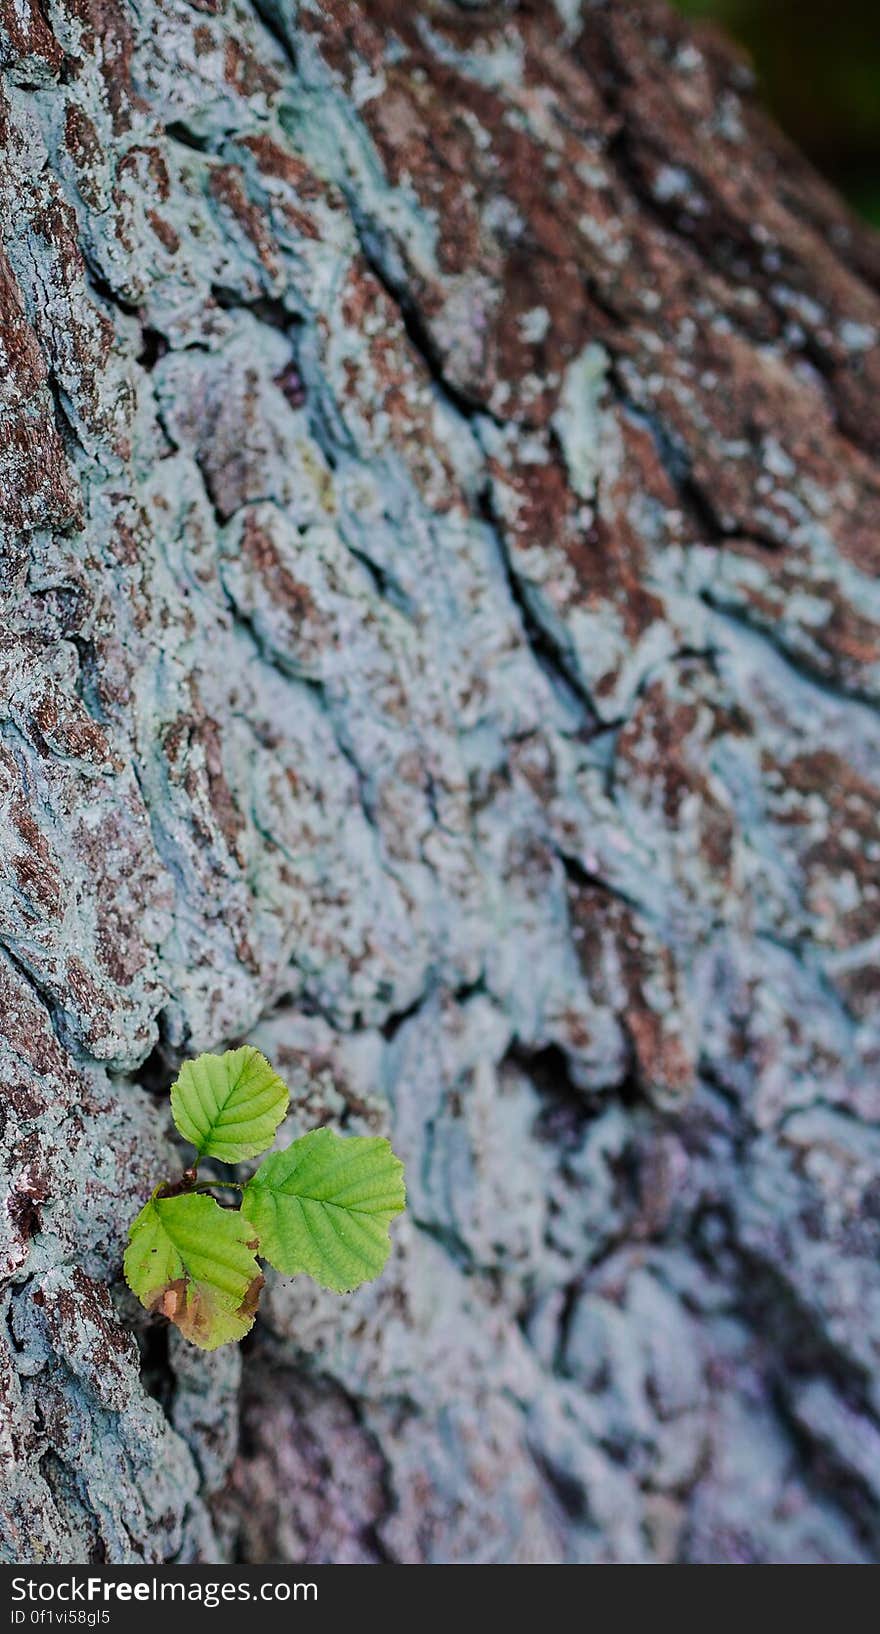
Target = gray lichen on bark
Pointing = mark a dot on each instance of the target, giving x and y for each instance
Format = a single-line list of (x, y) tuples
[(441, 639)]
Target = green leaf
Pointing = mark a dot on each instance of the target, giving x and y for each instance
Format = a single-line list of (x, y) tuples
[(324, 1206), (194, 1261), (229, 1105)]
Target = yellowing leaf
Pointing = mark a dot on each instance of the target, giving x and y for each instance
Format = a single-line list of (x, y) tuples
[(229, 1105), (194, 1261), (324, 1206)]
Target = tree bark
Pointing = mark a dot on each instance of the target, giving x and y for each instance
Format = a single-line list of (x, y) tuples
[(441, 644)]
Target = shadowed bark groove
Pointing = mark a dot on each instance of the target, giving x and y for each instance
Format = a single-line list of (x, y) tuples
[(440, 498)]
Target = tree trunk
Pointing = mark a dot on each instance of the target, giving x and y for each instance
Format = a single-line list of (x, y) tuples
[(441, 644)]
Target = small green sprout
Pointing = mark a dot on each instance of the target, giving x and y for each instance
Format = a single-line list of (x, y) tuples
[(322, 1206)]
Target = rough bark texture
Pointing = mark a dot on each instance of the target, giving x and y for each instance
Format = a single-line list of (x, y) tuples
[(441, 643)]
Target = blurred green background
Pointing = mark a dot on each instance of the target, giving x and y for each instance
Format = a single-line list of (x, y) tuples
[(818, 64)]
